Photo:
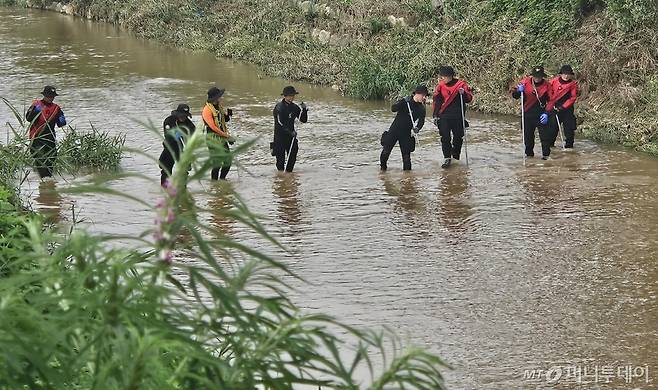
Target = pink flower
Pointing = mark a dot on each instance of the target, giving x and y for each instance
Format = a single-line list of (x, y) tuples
[(170, 216), (166, 256)]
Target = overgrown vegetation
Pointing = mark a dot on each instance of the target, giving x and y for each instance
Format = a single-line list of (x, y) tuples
[(78, 151), (205, 315), (92, 150), (13, 232), (613, 45)]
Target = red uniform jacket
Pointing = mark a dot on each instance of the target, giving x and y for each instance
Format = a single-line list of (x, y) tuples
[(534, 93), (562, 94), (445, 95), (47, 117)]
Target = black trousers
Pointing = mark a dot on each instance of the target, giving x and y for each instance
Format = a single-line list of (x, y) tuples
[(545, 135), (168, 158), (407, 146), (44, 152), (568, 121), (451, 146), (282, 148), (220, 156)]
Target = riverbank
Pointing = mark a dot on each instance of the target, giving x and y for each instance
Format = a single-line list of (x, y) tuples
[(362, 49)]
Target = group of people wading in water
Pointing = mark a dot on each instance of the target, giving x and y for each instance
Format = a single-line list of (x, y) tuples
[(218, 138), (547, 106)]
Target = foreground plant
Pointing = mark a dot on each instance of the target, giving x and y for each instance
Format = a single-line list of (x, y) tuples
[(82, 315)]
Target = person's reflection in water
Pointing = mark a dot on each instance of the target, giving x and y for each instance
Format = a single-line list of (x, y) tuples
[(49, 202), (543, 190), (408, 198), (286, 193), (220, 204), (454, 210)]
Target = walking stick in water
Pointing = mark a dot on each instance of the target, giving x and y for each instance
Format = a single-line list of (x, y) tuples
[(291, 145), (560, 128), (523, 127), (461, 98)]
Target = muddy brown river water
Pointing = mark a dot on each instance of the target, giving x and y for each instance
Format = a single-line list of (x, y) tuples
[(514, 273)]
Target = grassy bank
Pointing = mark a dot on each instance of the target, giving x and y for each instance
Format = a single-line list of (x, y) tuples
[(375, 49)]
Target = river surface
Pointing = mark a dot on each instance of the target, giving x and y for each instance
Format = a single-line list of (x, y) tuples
[(500, 268)]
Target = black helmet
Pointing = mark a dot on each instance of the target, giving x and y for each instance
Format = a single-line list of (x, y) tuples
[(446, 71), (566, 69), (289, 91), (49, 91), (214, 93), (538, 71), (182, 110), (421, 89)]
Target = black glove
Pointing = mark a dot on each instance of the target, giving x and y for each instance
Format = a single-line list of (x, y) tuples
[(229, 112), (436, 121), (303, 106), (294, 134), (416, 130)]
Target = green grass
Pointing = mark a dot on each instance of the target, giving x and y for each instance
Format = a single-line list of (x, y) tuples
[(91, 150), (183, 307), (12, 232)]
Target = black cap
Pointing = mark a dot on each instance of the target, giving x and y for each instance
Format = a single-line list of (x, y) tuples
[(566, 69), (446, 71), (538, 71), (289, 91), (214, 93), (421, 89), (182, 110), (49, 91)]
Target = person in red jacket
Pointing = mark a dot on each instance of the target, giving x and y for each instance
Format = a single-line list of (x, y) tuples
[(43, 116), (448, 112), (534, 89), (562, 92)]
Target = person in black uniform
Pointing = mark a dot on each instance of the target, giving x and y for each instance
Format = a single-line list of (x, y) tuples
[(176, 127), (409, 120), (285, 137)]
